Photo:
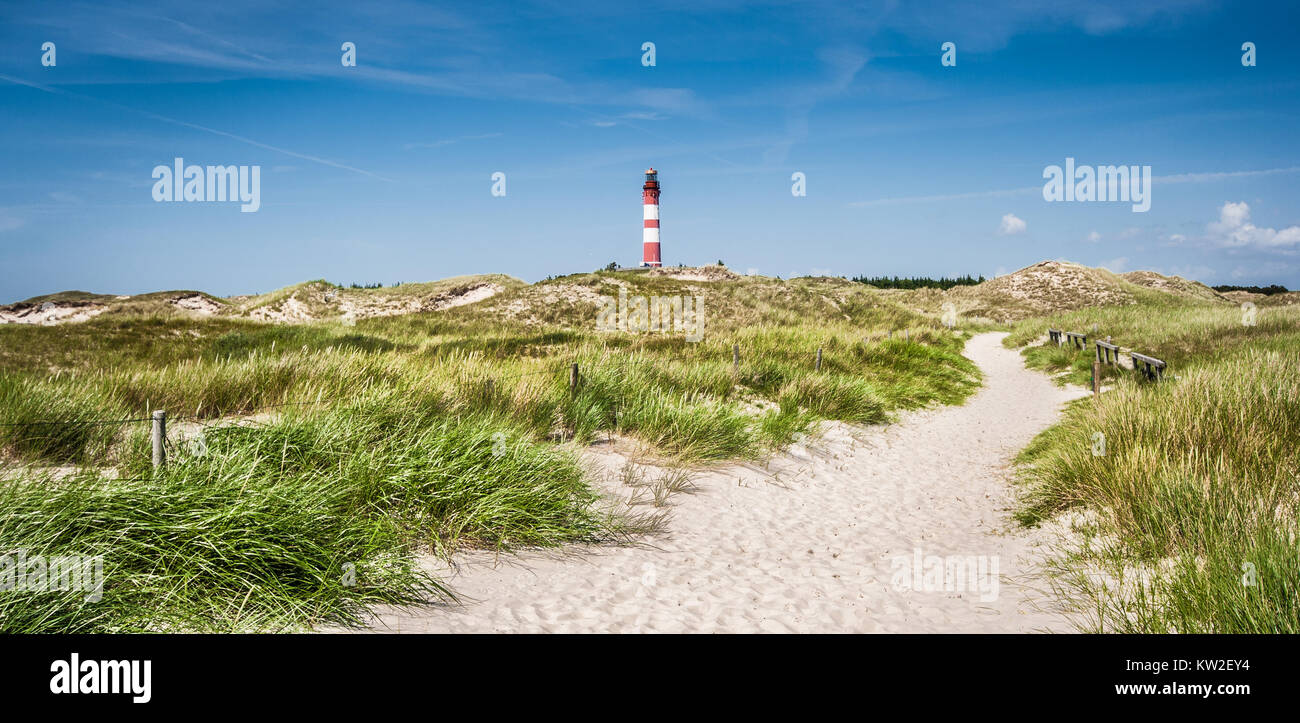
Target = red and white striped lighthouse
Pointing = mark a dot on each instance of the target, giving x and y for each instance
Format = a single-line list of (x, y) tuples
[(650, 235)]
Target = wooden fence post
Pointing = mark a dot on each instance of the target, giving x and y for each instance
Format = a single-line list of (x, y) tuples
[(159, 438), (735, 360), (1096, 378), (573, 378), (819, 359)]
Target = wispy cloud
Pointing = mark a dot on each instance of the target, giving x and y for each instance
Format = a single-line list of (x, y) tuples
[(451, 141), (195, 126), (1223, 176), (1025, 190), (999, 193), (8, 221)]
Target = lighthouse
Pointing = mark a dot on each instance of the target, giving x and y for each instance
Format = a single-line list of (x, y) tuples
[(650, 233)]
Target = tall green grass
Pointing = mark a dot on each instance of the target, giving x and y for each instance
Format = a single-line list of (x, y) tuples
[(57, 421), (263, 527), (1198, 489), (1177, 332), (328, 445)]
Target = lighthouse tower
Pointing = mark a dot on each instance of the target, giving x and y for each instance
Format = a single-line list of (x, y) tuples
[(650, 235)]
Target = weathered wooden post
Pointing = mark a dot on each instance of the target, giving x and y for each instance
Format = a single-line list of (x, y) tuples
[(819, 359), (573, 378), (159, 439), (735, 361), (1096, 372)]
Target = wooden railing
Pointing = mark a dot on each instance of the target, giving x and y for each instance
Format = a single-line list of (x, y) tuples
[(1153, 368), (1108, 353)]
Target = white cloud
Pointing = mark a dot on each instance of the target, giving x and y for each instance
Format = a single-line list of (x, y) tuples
[(1116, 265), (1234, 229), (1093, 237), (1011, 225), (1234, 214)]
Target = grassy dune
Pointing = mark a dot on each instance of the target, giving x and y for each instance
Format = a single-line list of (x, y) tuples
[(1189, 518), (304, 451)]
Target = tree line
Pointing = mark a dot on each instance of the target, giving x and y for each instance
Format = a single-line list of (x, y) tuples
[(1265, 290), (918, 282)]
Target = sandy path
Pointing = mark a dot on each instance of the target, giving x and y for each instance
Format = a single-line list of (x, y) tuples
[(817, 540)]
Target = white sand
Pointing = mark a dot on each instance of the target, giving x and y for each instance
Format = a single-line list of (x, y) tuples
[(50, 314), (473, 296), (197, 303), (805, 543)]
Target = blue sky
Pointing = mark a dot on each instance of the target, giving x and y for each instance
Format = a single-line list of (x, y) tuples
[(382, 172)]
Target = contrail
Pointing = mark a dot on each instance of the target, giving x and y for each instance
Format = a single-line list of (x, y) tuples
[(195, 126)]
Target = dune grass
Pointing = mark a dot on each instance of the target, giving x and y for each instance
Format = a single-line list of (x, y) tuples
[(300, 453), (1176, 331), (1186, 491), (305, 520)]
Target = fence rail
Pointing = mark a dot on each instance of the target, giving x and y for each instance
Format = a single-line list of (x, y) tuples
[(1153, 368), (1107, 353)]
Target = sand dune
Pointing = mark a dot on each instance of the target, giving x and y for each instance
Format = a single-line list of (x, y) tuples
[(808, 542)]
